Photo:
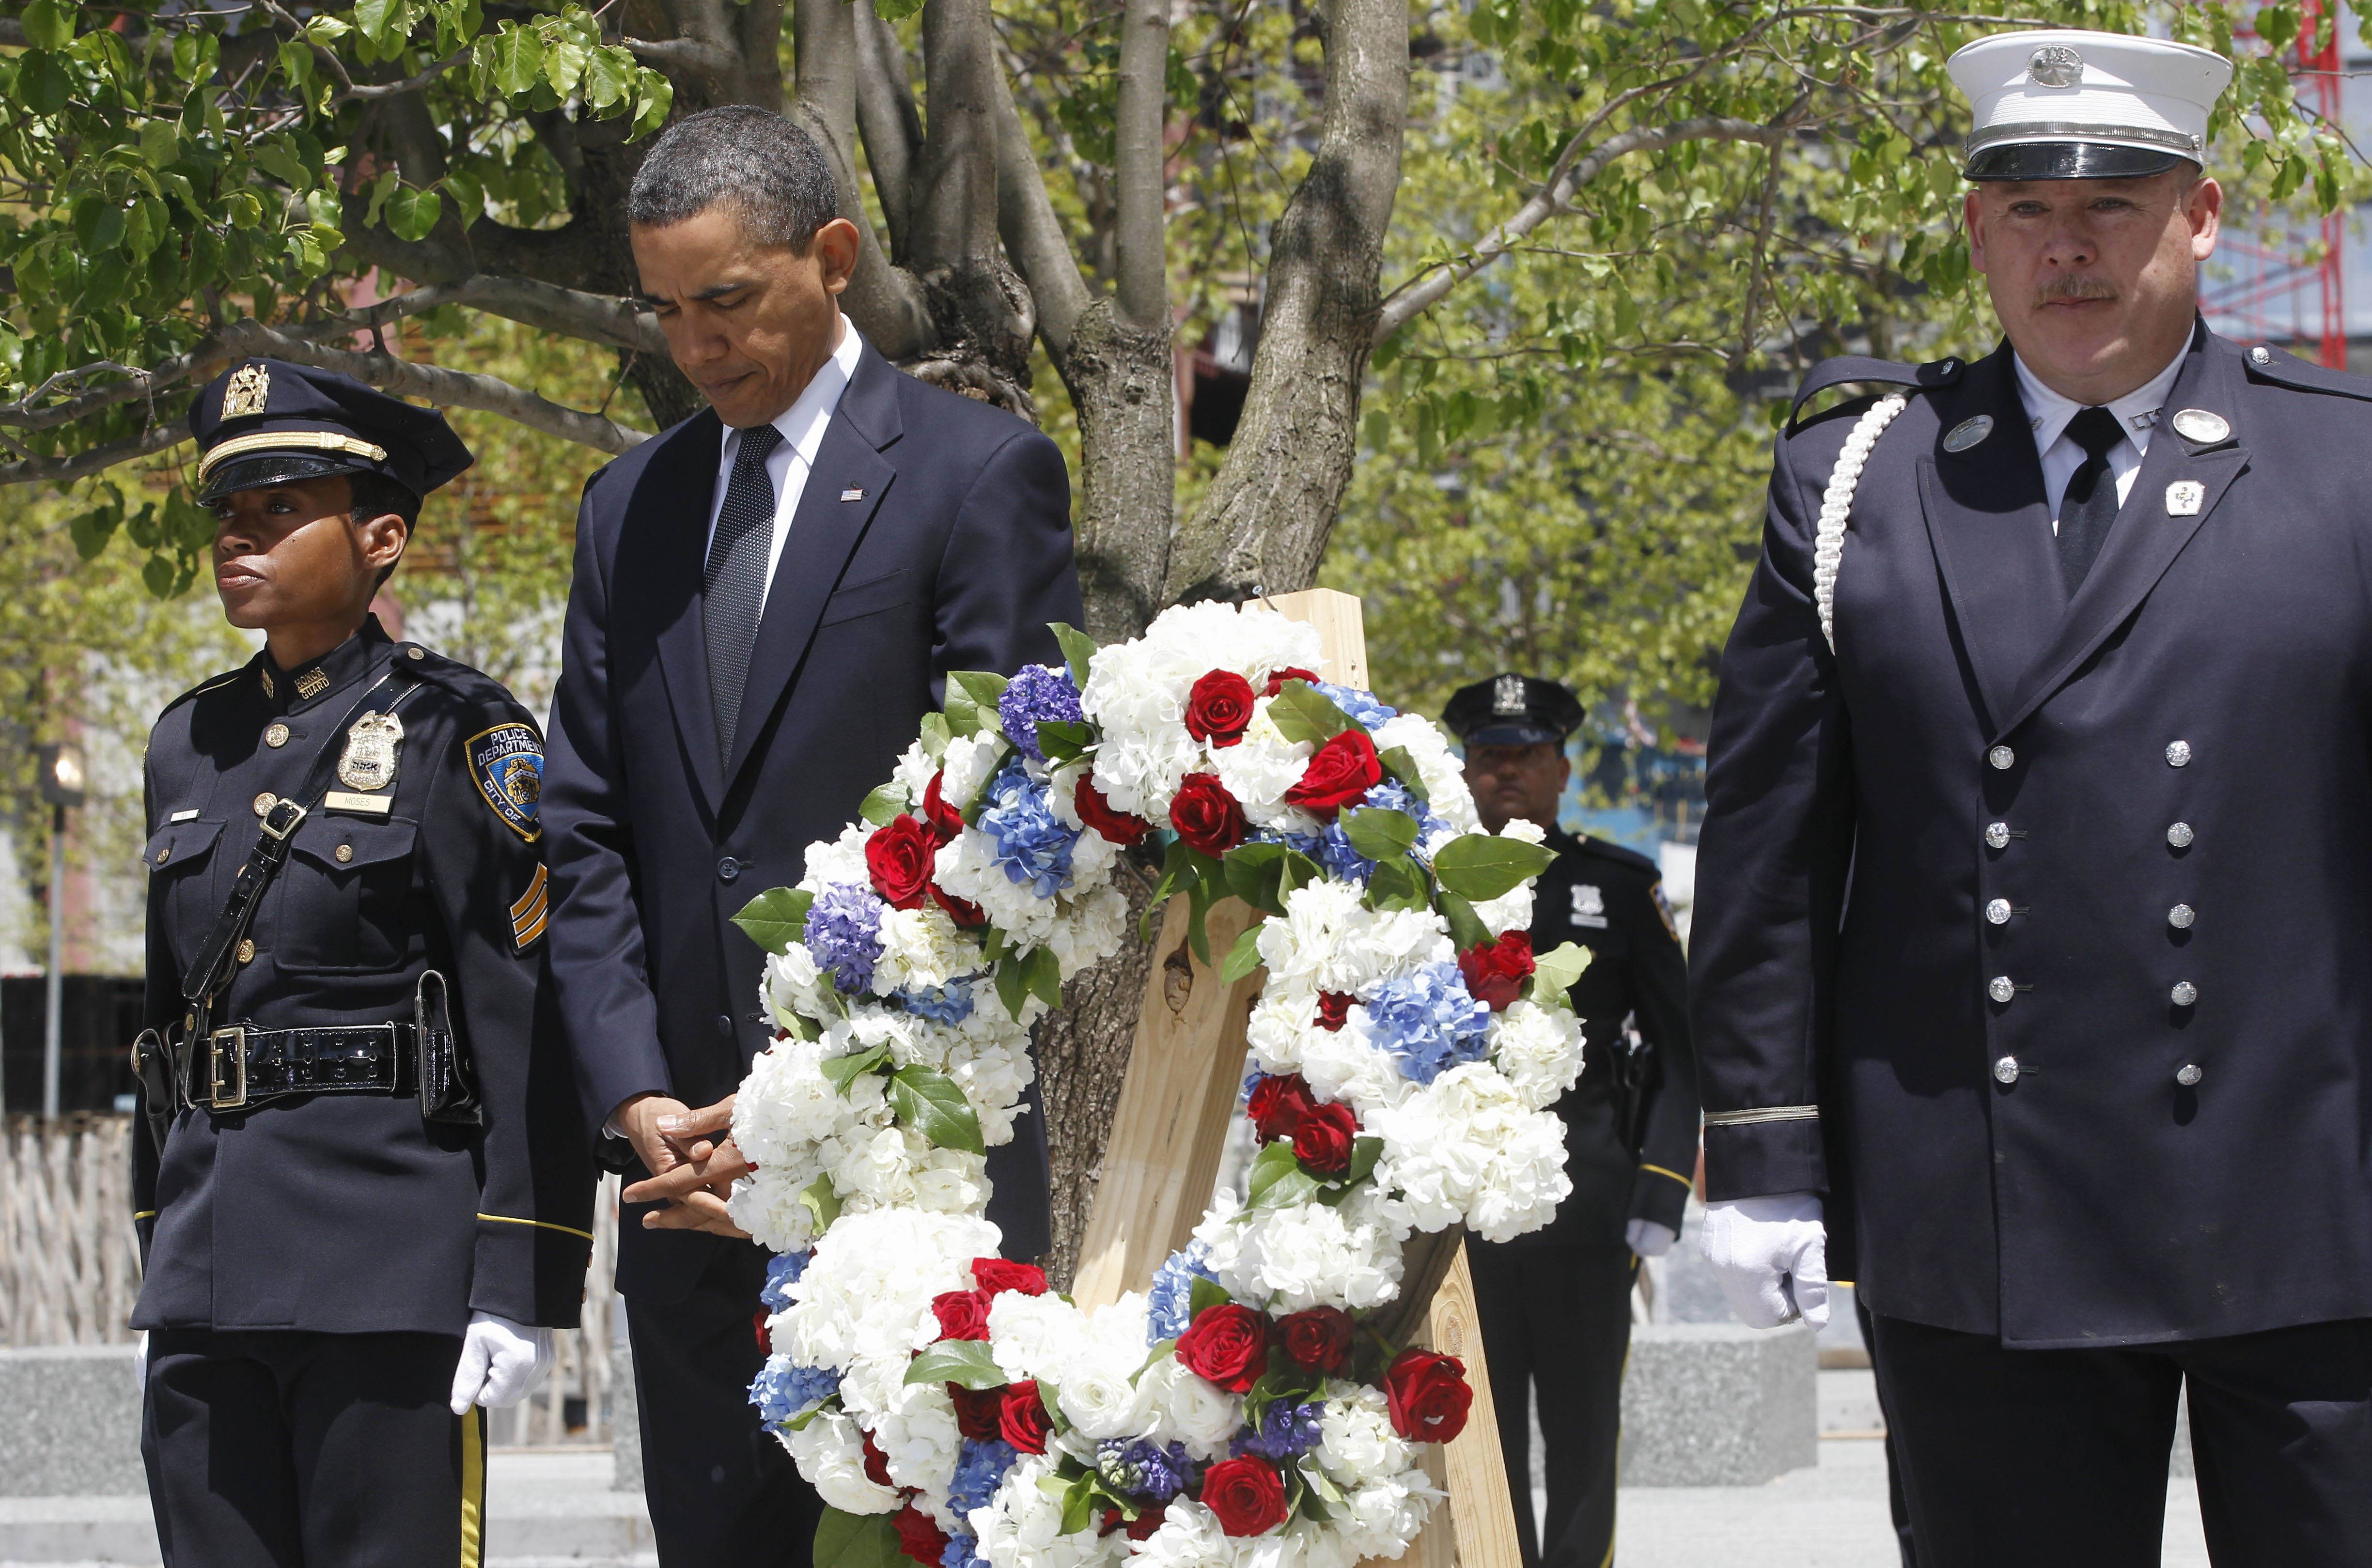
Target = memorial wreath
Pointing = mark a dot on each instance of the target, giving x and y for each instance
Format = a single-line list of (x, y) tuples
[(1408, 1047)]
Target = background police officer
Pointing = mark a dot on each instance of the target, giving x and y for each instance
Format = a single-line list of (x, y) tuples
[(1555, 1306), (373, 1196), (2031, 905)]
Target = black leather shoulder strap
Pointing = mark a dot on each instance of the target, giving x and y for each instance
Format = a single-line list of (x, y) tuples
[(1850, 368)]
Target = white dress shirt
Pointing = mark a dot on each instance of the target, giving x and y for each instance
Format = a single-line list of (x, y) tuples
[(802, 426), (2049, 414)]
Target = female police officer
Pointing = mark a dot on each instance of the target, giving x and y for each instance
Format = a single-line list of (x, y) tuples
[(365, 1198)]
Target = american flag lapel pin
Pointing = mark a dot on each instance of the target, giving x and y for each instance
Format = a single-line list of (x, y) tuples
[(854, 492)]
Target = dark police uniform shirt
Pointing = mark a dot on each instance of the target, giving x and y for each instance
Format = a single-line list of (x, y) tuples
[(348, 1213), (1608, 900), (2032, 928)]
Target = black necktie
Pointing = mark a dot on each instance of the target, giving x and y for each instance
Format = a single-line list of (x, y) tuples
[(2090, 507), (736, 578)]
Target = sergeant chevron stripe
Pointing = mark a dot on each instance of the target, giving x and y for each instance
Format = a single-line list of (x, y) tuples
[(528, 915)]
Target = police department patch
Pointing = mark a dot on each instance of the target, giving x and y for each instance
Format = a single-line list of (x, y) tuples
[(507, 763)]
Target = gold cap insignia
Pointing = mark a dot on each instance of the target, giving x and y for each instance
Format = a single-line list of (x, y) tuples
[(1507, 696), (249, 390)]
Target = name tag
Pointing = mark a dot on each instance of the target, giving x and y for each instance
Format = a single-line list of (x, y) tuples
[(361, 804), (190, 815)]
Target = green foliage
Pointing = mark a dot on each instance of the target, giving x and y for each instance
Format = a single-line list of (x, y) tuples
[(775, 918), (858, 1540)]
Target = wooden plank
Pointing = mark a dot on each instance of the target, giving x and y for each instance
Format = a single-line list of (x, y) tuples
[(1478, 1525)]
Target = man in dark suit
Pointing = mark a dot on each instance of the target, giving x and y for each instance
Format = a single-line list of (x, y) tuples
[(1555, 1306), (2031, 895), (767, 599)]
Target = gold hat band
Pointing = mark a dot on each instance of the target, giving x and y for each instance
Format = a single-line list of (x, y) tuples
[(287, 440)]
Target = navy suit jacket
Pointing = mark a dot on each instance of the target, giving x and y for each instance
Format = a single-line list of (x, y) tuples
[(933, 535), (1992, 781)]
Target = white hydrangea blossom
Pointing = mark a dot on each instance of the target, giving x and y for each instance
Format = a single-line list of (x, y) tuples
[(1327, 941), (829, 1451), (1467, 1147), (1539, 1051)]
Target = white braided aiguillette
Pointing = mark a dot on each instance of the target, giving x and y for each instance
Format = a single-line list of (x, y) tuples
[(1836, 507)]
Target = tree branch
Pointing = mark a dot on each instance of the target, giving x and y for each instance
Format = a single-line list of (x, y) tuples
[(1572, 172), (884, 301), (1033, 234), (886, 117), (955, 210), (713, 63), (64, 471), (1139, 157), (369, 91)]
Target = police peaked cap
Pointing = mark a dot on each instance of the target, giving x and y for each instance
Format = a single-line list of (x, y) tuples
[(1513, 710), (268, 421)]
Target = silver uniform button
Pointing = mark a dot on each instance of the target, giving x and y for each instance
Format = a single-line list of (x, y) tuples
[(2180, 835), (2261, 355), (2180, 916), (2188, 1074), (2184, 993), (2000, 988), (1998, 911), (1997, 835), (275, 735), (2179, 754), (2002, 757), (2006, 1070)]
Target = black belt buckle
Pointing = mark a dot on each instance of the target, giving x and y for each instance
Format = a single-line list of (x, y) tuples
[(215, 1098)]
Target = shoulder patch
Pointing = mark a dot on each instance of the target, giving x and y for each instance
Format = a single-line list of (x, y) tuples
[(506, 763), (1850, 369), (1663, 907)]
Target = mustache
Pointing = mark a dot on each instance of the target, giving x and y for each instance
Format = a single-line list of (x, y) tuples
[(2074, 285)]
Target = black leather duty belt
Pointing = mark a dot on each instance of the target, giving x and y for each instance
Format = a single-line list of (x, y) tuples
[(238, 1066)]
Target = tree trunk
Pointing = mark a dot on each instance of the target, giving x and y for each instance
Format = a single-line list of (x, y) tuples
[(1266, 519)]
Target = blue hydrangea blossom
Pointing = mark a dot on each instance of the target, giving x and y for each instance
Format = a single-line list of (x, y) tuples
[(1427, 1021), (783, 1271), (843, 934), (783, 1390), (1169, 1307), (1039, 694), (1033, 845), (981, 1464), (948, 1004)]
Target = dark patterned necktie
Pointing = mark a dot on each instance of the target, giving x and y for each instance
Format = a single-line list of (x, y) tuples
[(735, 582), (2090, 507)]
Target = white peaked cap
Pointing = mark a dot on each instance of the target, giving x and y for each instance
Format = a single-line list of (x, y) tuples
[(2068, 105)]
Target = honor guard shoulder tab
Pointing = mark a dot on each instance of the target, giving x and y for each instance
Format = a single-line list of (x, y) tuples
[(1850, 368), (2273, 364)]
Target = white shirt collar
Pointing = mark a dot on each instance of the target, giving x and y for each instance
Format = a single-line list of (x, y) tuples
[(802, 424), (2048, 411)]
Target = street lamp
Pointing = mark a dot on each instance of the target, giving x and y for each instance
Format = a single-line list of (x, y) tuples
[(63, 783)]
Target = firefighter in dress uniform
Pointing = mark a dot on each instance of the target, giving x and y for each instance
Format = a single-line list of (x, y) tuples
[(1555, 1306), (2032, 895), (363, 1195)]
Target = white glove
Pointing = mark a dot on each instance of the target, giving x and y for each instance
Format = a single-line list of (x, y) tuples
[(140, 1360), (1772, 1257), (501, 1363), (1650, 1239)]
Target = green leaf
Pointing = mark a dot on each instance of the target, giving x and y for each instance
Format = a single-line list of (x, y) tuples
[(515, 58), (658, 96), (858, 1540), (1277, 1180), (1203, 1294), (1012, 985), (896, 10), (48, 24), (821, 1200), (1301, 712), (1253, 874), (1042, 972), (276, 159), (1379, 835), (776, 918), (843, 1071), (932, 1104), (1402, 767), (967, 1362), (972, 700), (936, 736), (156, 575), (1243, 958), (1079, 649), (43, 84), (1064, 740), (885, 805), (1365, 1153), (1555, 972), (1466, 928), (91, 531), (413, 214), (161, 143), (1079, 1497), (609, 78), (1484, 866), (1185, 867), (376, 18), (1395, 884)]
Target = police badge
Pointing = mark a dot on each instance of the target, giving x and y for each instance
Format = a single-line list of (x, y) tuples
[(368, 762)]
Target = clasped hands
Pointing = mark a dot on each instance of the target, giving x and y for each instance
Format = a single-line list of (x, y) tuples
[(692, 1160)]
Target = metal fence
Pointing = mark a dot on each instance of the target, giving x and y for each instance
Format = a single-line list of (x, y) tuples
[(70, 1270)]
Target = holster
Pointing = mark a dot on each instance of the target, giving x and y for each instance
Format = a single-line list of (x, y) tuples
[(1636, 1069), (161, 1097), (448, 1087)]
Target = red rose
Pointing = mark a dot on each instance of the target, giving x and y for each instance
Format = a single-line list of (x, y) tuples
[(1495, 971), (876, 1463), (997, 1275), (1318, 1339), (944, 820), (962, 1314), (1226, 1345), (979, 1412), (1428, 1395), (963, 911), (900, 858), (1023, 1420), (919, 1535), (1206, 816), (1219, 708), (1291, 672), (1333, 1009), (1344, 768), (1323, 1140), (1121, 828), (765, 1342), (1138, 1528), (1278, 1103), (1246, 1494)]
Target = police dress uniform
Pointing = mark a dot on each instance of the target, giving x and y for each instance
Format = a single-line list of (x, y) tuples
[(318, 1227), (1555, 1306), (2031, 921)]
